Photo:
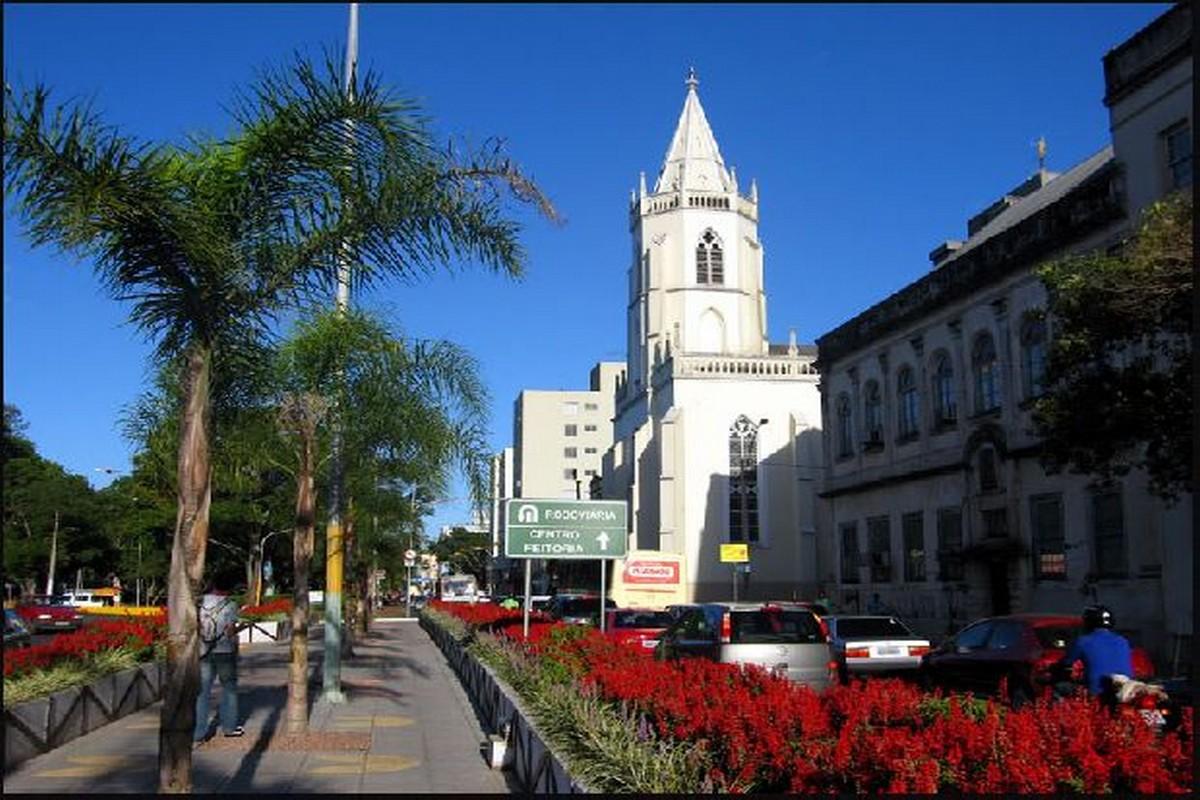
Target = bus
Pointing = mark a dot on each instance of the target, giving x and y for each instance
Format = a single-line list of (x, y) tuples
[(459, 589)]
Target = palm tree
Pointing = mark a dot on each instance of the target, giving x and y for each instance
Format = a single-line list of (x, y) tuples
[(209, 240)]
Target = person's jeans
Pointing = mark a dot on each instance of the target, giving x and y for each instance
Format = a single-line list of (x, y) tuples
[(223, 666)]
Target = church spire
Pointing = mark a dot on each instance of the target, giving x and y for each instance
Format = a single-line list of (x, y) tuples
[(693, 160)]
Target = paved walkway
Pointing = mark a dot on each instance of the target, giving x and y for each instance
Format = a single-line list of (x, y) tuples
[(404, 705)]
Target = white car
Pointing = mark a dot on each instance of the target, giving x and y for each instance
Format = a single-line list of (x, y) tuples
[(83, 599), (873, 644)]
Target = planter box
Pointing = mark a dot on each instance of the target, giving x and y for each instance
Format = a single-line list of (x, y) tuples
[(533, 762), (39, 726)]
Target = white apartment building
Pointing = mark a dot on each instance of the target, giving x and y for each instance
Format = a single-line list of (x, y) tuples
[(935, 504)]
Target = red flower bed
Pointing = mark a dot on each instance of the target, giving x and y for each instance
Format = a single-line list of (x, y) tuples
[(764, 732), (280, 605), (139, 634)]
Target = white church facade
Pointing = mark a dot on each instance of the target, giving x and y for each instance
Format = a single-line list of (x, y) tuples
[(716, 432)]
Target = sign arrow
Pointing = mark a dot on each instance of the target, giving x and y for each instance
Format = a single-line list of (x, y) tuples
[(603, 540)]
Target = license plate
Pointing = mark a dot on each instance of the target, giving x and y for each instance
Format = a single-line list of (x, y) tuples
[(649, 642), (888, 651)]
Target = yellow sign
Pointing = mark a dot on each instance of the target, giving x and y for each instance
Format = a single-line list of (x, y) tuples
[(735, 553)]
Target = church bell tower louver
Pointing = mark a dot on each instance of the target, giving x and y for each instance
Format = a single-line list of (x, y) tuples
[(696, 281)]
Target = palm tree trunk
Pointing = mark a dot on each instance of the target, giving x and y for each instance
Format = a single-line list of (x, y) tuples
[(302, 551), (187, 569), (351, 584)]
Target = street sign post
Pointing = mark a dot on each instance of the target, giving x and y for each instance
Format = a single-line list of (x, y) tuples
[(565, 529), (736, 553)]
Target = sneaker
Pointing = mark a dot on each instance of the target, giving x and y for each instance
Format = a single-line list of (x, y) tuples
[(238, 731)]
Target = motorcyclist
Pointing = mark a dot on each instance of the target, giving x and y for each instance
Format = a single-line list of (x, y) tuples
[(1103, 651)]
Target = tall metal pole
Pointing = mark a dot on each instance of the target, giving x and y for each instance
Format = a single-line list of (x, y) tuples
[(528, 601), (331, 680), (603, 611)]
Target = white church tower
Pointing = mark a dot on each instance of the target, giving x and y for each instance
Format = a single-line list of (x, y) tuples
[(717, 432)]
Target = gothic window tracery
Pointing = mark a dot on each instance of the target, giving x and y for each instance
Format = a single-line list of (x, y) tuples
[(710, 260), (743, 481)]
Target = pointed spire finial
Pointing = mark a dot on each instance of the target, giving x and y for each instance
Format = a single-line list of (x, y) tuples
[(1041, 153), (642, 183), (692, 81)]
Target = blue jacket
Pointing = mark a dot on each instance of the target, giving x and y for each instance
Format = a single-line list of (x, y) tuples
[(1103, 653)]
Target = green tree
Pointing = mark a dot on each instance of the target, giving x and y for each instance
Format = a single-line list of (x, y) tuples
[(1119, 372), (209, 240), (466, 552)]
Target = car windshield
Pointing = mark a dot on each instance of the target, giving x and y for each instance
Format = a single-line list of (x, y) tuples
[(57, 600), (579, 606), (642, 619), (774, 626), (871, 628), (1057, 637)]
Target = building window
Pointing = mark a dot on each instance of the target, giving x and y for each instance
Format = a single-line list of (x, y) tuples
[(945, 409), (873, 413), (589, 428), (988, 482), (590, 407), (1178, 142), (987, 374), (879, 548), (570, 452), (569, 474), (950, 544), (1108, 530), (845, 427), (913, 526), (589, 472), (570, 409), (995, 523), (743, 481), (1049, 546), (570, 430), (850, 552), (589, 451), (1033, 355), (910, 409), (710, 263)]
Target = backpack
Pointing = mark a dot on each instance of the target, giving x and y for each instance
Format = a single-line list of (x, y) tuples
[(209, 617)]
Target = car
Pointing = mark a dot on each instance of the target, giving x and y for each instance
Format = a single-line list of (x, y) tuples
[(873, 645), (50, 613), (16, 632), (637, 627), (578, 609), (1018, 648), (786, 638)]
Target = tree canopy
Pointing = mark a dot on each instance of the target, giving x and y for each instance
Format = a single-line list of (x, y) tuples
[(1119, 370)]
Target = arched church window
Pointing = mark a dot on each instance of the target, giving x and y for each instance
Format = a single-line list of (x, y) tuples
[(1033, 354), (873, 413), (845, 427), (743, 481), (710, 261), (906, 393), (945, 409), (987, 373)]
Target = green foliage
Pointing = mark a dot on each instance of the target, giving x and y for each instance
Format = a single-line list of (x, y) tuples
[(972, 707), (465, 551), (1119, 372)]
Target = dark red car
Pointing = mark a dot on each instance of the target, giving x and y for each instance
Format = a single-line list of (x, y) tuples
[(637, 627), (50, 613), (1020, 648)]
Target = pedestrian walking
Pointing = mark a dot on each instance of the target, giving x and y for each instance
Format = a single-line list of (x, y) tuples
[(218, 658)]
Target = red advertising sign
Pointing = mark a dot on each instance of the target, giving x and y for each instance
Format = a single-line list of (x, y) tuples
[(640, 571)]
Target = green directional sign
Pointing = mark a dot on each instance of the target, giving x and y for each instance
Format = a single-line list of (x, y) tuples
[(565, 528)]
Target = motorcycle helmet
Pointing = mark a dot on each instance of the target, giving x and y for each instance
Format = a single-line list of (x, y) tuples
[(1097, 617)]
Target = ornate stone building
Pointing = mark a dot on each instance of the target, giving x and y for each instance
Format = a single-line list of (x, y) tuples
[(935, 505)]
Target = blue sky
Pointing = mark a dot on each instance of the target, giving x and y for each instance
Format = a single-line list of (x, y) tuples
[(874, 132)]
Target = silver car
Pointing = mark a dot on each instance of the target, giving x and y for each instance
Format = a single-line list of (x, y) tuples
[(787, 639), (874, 644)]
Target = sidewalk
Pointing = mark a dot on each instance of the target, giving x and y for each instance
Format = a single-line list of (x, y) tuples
[(406, 727)]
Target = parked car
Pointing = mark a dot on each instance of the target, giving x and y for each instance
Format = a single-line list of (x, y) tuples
[(788, 639), (578, 609), (1019, 648), (16, 632), (50, 613), (873, 645), (637, 627)]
